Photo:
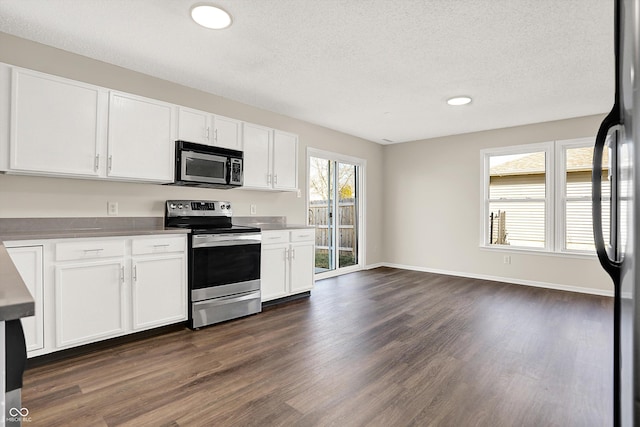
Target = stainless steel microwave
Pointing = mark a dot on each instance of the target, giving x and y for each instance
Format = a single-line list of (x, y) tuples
[(200, 165)]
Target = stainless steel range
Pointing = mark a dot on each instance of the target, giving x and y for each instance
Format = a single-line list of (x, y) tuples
[(224, 261)]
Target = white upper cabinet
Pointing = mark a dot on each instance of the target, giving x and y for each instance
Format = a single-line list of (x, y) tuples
[(257, 156), (270, 159), (56, 125), (285, 161), (141, 138), (227, 133), (211, 129), (193, 125)]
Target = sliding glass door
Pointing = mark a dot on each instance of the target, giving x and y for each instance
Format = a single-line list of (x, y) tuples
[(334, 210)]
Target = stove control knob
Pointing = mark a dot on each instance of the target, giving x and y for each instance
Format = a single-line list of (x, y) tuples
[(172, 206), (179, 206)]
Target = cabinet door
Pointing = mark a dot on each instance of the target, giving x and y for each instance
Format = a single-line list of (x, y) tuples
[(193, 126), (273, 271), (57, 125), (257, 155), (285, 161), (302, 266), (89, 301), (28, 261), (141, 138), (159, 289), (227, 132)]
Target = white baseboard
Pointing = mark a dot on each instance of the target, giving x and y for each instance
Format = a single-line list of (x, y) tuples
[(372, 266), (546, 285)]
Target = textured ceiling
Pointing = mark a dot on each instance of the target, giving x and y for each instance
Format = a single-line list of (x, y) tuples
[(377, 69)]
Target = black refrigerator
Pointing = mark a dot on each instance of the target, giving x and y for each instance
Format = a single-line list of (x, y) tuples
[(619, 136)]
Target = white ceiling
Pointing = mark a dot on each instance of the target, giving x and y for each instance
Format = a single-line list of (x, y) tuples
[(377, 69)]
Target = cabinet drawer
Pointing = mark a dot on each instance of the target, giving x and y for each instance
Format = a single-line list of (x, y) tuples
[(89, 249), (269, 237), (158, 245), (303, 235)]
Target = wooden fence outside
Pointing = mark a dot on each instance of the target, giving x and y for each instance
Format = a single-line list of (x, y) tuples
[(346, 224)]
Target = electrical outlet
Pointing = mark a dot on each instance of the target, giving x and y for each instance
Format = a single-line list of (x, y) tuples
[(253, 209), (299, 193), (507, 259), (112, 208)]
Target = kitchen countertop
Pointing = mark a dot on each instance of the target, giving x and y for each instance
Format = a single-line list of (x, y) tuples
[(15, 229), (15, 299), (97, 232), (268, 223), (65, 228)]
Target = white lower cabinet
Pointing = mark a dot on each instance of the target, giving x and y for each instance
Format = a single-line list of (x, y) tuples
[(87, 290), (287, 264), (302, 266), (159, 290), (90, 301), (28, 261), (274, 271)]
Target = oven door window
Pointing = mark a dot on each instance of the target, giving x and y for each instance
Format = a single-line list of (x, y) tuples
[(223, 265), (204, 168)]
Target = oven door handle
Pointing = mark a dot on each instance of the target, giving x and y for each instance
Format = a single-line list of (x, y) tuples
[(213, 240)]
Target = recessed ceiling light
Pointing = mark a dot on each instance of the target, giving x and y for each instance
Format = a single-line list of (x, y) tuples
[(459, 100), (210, 16)]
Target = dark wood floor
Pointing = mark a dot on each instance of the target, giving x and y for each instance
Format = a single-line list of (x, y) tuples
[(383, 347)]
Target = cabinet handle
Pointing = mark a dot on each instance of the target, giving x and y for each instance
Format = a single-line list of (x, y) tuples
[(268, 178), (96, 165), (206, 132), (165, 245), (293, 254), (135, 273), (93, 250), (215, 135), (122, 274), (109, 163), (286, 254), (275, 178), (273, 238)]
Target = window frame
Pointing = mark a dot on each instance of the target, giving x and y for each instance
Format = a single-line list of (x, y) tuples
[(486, 154), (561, 191), (555, 195)]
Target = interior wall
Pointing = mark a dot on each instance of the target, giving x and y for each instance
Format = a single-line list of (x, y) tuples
[(433, 209), (430, 218), (60, 197)]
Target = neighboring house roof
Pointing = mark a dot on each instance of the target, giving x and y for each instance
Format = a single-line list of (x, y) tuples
[(579, 160)]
